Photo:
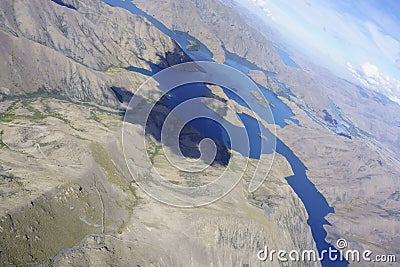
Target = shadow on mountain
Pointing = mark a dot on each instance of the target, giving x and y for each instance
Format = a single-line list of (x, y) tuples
[(62, 3), (189, 137)]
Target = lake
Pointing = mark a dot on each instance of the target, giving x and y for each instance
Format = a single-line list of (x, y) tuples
[(315, 203)]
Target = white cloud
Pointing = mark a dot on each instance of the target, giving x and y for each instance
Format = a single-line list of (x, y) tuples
[(371, 77), (334, 33), (263, 6)]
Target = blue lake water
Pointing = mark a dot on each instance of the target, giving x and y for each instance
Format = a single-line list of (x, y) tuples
[(182, 38), (281, 85), (280, 110), (342, 127), (286, 58), (216, 131), (314, 202)]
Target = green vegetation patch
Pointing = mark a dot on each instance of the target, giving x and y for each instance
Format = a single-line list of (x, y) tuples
[(32, 113), (49, 224), (101, 157), (9, 114), (36, 114), (2, 144), (153, 150), (193, 46)]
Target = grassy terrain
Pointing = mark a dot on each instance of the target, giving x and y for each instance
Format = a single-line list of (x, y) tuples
[(2, 144), (153, 150), (47, 225), (101, 157)]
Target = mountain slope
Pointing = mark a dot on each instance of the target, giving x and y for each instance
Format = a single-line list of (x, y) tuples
[(72, 50), (66, 196)]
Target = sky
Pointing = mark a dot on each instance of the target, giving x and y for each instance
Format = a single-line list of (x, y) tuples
[(358, 40)]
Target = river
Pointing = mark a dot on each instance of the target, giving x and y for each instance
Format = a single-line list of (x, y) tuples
[(315, 203)]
